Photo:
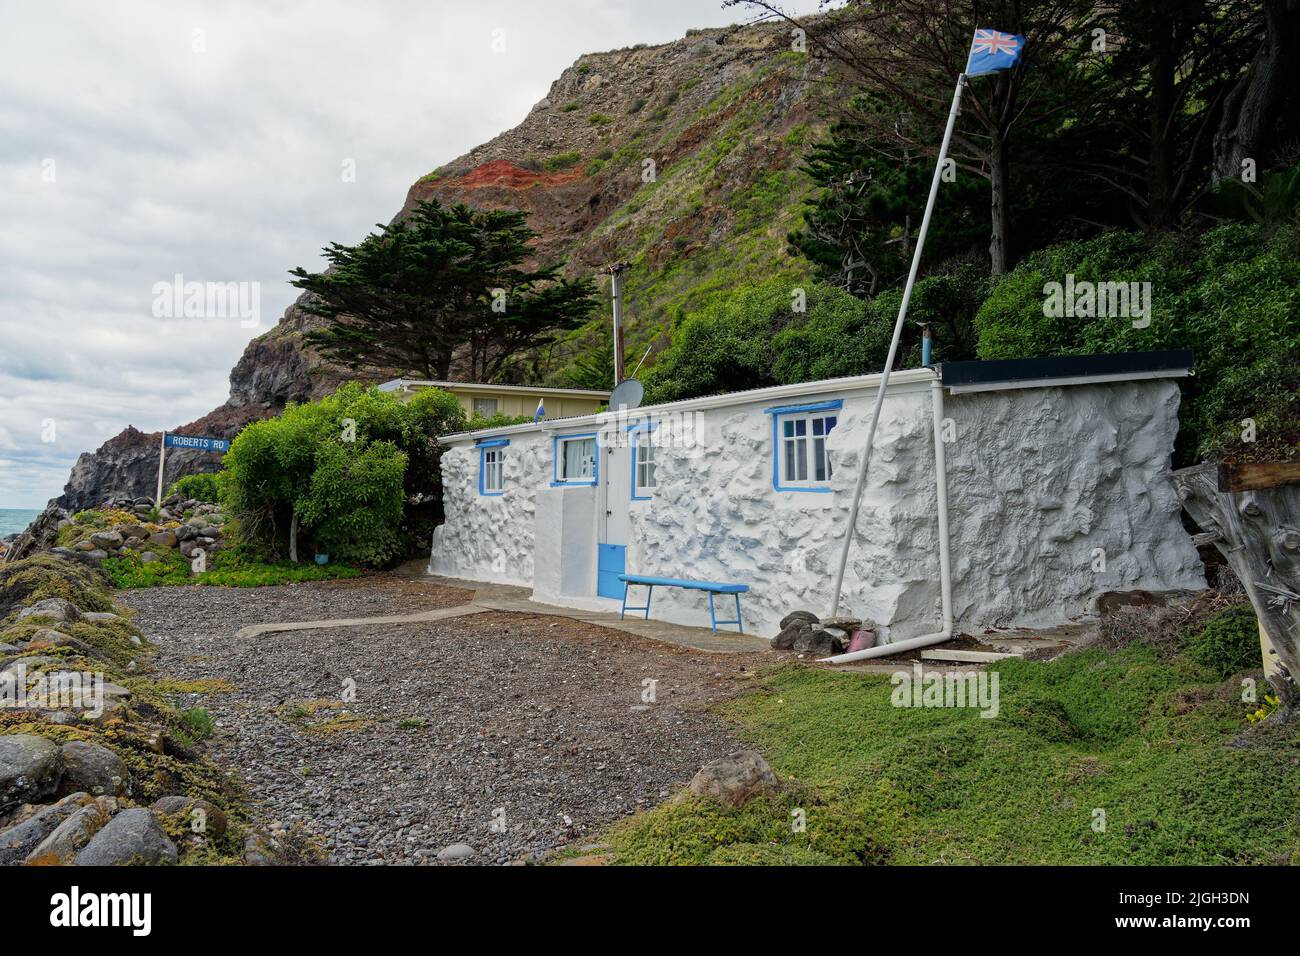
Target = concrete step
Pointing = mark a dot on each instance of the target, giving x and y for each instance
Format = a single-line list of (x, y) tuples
[(970, 657)]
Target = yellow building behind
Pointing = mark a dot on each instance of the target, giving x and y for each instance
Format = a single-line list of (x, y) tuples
[(514, 400)]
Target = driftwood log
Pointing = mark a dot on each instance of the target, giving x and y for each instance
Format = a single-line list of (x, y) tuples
[(1253, 517)]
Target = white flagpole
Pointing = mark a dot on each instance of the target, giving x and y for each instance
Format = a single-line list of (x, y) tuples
[(893, 345)]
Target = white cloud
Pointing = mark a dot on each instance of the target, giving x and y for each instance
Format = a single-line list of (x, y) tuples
[(224, 165)]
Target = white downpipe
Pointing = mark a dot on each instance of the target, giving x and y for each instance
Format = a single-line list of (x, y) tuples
[(941, 502), (945, 558), (893, 344)]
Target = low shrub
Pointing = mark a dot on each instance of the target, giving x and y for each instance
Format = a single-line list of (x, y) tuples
[(1232, 295), (1228, 644), (199, 487)]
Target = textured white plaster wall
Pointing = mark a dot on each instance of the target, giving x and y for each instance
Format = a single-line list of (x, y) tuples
[(1040, 479), (716, 516), (490, 537), (1037, 479)]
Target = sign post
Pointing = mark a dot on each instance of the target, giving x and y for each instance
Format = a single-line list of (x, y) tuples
[(162, 457), (192, 442)]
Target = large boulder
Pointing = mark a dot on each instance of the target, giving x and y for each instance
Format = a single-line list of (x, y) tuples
[(94, 769), (106, 540), (19, 840), (47, 638), (73, 834), (822, 641), (55, 608), (197, 815), (808, 617), (734, 779), (795, 628), (30, 768), (133, 836), (163, 539)]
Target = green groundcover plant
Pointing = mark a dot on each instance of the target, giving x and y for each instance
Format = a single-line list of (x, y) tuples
[(1149, 733)]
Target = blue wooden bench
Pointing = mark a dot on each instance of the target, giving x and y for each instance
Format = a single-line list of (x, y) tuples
[(713, 587)]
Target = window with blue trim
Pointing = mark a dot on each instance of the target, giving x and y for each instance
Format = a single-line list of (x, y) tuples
[(802, 460), (575, 460), (492, 466)]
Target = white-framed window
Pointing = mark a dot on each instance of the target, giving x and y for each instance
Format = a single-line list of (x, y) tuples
[(643, 464), (575, 460), (492, 466), (493, 470), (802, 458), (485, 407)]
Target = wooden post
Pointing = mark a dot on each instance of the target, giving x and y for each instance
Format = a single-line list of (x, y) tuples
[(162, 457), (1258, 531)]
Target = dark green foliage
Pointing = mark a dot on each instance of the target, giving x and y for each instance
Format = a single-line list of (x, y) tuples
[(199, 487), (1229, 644), (860, 229), (848, 340), (724, 347), (752, 337), (359, 468), (431, 286), (1232, 295), (1273, 201)]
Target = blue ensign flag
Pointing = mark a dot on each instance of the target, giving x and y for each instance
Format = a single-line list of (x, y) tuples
[(991, 51)]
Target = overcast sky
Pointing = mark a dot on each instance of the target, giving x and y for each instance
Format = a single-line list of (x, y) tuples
[(142, 140)]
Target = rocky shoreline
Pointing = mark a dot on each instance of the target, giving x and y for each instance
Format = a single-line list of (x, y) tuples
[(98, 763)]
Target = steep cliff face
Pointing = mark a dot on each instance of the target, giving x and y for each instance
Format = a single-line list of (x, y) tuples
[(680, 159)]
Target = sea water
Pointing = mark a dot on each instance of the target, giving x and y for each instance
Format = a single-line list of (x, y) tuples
[(14, 520)]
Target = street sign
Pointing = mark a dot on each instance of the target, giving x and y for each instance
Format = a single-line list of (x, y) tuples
[(193, 443), (197, 443)]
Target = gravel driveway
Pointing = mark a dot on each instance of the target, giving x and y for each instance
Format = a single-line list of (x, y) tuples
[(459, 729)]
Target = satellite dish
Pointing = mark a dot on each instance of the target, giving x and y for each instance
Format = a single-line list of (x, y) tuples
[(627, 394)]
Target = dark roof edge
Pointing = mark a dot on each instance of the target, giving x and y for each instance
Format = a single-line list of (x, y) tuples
[(993, 371)]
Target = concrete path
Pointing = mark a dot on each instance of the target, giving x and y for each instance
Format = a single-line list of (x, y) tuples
[(436, 614), (502, 597)]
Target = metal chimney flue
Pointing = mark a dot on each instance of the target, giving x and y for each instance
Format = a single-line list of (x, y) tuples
[(616, 294)]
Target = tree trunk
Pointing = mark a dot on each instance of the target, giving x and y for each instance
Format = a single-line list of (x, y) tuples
[(1251, 107), (999, 215), (1160, 150), (293, 538), (1259, 536)]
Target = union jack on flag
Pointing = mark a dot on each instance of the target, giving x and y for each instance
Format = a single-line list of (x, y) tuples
[(992, 50)]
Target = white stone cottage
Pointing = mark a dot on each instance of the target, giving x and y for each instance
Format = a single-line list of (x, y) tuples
[(1057, 485)]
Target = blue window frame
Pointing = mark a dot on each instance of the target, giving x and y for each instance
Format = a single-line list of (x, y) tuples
[(644, 466), (577, 460), (800, 458), (492, 466)]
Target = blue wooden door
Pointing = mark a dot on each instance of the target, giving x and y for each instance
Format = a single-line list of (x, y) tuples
[(611, 562)]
